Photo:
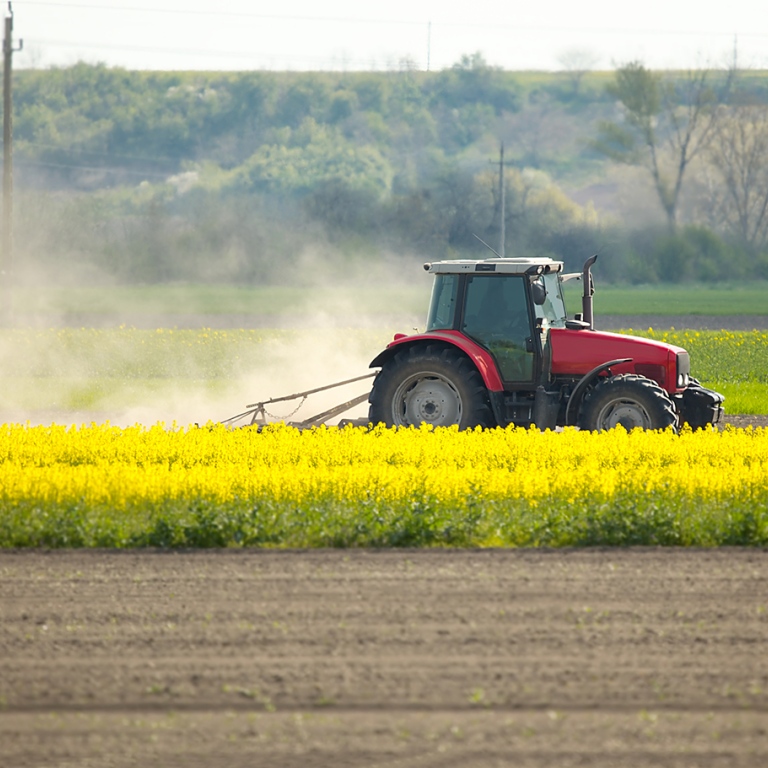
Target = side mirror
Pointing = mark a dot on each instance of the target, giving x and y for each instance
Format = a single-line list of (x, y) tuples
[(538, 292)]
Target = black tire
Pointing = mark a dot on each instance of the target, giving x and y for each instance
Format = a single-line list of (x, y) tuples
[(629, 400), (431, 384)]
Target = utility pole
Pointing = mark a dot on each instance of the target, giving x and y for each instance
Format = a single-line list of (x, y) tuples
[(503, 198), (503, 201), (6, 270), (429, 44)]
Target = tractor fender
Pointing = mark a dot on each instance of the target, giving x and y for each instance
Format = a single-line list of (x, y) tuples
[(480, 357), (578, 391)]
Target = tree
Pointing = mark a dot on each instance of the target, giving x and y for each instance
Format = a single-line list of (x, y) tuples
[(576, 62), (464, 204), (307, 96), (666, 124), (315, 155), (539, 134), (740, 156), (473, 81)]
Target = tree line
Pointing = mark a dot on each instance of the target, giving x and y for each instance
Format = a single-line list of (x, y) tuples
[(146, 176)]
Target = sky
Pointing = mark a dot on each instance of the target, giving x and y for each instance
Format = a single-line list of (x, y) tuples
[(354, 35)]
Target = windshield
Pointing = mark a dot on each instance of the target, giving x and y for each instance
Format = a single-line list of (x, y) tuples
[(553, 307)]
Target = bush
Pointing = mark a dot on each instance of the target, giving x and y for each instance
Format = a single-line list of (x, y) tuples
[(692, 254)]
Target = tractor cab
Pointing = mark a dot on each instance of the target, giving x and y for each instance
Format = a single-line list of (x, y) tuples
[(506, 306)]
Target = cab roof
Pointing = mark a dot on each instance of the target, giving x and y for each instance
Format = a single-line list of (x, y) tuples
[(519, 266)]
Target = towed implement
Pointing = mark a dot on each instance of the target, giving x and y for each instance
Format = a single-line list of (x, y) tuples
[(258, 414), (499, 349)]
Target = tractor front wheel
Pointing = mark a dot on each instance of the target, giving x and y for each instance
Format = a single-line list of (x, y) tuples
[(429, 385), (629, 400)]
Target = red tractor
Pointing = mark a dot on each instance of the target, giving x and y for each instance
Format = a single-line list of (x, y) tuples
[(498, 349)]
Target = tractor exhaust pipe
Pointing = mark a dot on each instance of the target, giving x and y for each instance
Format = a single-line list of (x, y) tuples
[(589, 291)]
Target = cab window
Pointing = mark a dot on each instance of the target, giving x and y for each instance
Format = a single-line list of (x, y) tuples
[(442, 307)]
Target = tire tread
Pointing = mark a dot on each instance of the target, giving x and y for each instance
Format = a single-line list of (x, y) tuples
[(664, 414)]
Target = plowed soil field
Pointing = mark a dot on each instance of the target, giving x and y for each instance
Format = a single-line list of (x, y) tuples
[(640, 657)]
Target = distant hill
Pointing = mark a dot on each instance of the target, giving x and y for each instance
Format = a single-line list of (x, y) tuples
[(147, 176)]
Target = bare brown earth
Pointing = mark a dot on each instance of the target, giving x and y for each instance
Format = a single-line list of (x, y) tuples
[(742, 421), (608, 657)]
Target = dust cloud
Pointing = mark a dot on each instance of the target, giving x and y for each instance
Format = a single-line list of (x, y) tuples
[(51, 372)]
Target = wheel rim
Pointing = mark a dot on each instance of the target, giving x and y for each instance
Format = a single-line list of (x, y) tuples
[(427, 398), (628, 413)]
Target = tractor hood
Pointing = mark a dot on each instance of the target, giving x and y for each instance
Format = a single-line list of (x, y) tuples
[(576, 352)]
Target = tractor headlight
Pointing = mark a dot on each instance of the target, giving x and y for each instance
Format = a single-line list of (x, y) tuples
[(683, 378)]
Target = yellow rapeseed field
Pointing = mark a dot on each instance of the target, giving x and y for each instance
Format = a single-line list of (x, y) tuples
[(110, 486)]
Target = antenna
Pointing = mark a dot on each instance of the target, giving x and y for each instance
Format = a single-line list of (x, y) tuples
[(486, 245)]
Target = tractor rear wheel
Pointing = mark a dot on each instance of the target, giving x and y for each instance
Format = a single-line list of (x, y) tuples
[(629, 400), (429, 384)]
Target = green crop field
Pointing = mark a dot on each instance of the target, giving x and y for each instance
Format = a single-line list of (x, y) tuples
[(685, 299), (190, 375), (79, 369), (278, 301), (734, 363)]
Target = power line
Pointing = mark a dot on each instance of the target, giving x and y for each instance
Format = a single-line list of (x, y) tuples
[(233, 14), (252, 55), (262, 60), (100, 168), (495, 25), (183, 51), (92, 153)]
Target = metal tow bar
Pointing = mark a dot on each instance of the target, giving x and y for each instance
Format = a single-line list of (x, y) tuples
[(259, 413)]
